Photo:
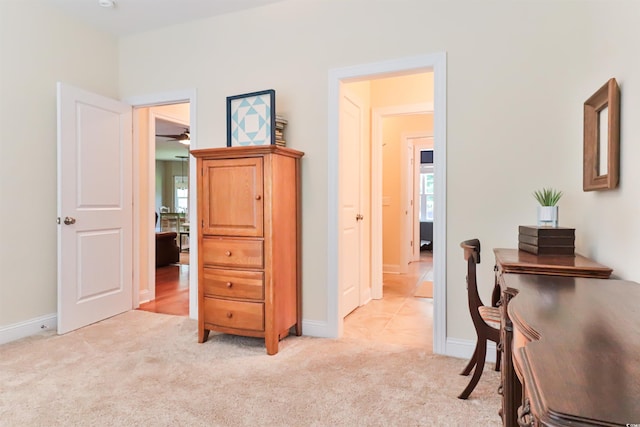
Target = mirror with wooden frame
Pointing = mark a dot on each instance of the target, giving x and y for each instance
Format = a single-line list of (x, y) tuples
[(602, 138)]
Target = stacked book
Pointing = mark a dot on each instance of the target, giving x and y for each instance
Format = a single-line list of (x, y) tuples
[(280, 124), (547, 240)]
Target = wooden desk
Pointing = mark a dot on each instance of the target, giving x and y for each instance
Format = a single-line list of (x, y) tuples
[(576, 349), (515, 261)]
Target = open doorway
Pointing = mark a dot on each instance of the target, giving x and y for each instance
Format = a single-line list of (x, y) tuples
[(375, 185), (435, 63), (169, 137), (402, 312)]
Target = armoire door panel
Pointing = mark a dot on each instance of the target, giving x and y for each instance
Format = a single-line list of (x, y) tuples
[(233, 197)]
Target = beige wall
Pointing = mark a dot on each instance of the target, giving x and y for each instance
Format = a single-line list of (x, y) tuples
[(178, 113), (38, 47), (166, 170), (517, 76), (416, 88)]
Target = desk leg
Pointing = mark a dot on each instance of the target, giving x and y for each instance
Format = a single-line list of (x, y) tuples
[(511, 386)]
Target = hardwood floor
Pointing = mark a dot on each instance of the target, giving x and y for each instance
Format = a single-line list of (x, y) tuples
[(172, 291)]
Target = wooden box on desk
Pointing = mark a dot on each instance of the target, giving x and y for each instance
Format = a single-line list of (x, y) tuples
[(546, 240)]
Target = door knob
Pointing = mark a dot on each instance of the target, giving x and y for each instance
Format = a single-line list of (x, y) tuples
[(359, 217), (69, 220)]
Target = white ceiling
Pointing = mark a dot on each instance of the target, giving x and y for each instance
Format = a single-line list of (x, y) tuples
[(136, 16)]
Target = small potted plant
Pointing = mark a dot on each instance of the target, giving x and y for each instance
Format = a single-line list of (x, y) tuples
[(548, 210)]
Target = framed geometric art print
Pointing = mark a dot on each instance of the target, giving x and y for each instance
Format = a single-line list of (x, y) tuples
[(251, 119)]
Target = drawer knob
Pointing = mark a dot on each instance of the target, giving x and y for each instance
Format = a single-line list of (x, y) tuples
[(228, 253), (258, 197), (229, 314), (229, 284)]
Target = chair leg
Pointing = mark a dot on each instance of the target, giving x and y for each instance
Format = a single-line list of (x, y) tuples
[(472, 361), (482, 353), (498, 358)]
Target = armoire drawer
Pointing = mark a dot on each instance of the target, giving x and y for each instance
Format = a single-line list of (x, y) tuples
[(233, 283), (234, 314), (232, 252)]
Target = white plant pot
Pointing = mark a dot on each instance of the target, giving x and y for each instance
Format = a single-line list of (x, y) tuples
[(547, 216)]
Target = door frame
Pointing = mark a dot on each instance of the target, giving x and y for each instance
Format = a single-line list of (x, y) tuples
[(436, 62), (142, 228), (414, 226)]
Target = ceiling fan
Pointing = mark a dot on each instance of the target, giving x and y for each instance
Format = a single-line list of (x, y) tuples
[(184, 137)]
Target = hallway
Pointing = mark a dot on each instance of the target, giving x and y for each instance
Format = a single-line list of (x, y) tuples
[(399, 317)]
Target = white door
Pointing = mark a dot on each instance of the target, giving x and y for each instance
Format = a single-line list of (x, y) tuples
[(351, 218), (94, 208)]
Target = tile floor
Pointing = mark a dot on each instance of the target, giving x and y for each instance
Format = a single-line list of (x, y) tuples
[(399, 317)]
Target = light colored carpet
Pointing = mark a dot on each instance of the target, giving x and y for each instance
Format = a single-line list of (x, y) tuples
[(424, 290), (145, 369)]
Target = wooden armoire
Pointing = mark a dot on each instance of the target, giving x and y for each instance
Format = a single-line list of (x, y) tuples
[(249, 274)]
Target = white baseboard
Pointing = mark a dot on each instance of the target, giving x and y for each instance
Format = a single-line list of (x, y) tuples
[(391, 268), (313, 328), (366, 297), (27, 328), (316, 328), (145, 295), (463, 349)]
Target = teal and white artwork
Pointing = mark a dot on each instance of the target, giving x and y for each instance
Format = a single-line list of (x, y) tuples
[(250, 119)]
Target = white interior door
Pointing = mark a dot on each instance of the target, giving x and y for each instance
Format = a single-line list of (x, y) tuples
[(351, 218), (94, 208)]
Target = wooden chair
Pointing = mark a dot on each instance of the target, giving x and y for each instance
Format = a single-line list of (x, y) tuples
[(486, 319)]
